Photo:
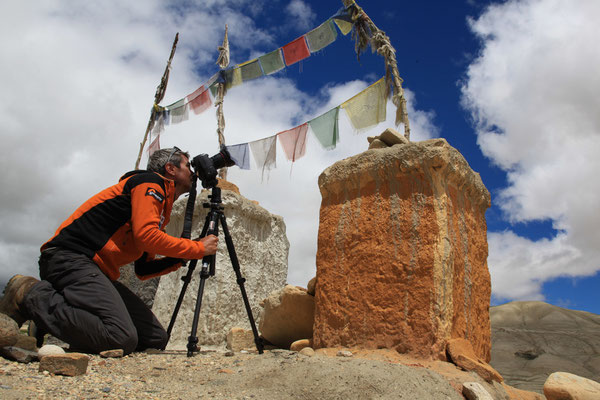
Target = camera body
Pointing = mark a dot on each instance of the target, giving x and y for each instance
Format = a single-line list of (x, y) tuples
[(206, 167)]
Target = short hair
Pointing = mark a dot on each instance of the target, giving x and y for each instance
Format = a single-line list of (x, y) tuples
[(158, 159)]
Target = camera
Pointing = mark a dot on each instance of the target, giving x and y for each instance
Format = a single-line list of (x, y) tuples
[(206, 167)]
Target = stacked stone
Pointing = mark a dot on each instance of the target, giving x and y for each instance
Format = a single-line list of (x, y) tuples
[(402, 251)]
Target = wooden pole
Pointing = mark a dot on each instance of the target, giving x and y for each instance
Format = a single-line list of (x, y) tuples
[(158, 96), (223, 62)]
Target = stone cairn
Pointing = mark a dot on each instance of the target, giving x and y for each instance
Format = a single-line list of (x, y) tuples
[(402, 251), (262, 249)]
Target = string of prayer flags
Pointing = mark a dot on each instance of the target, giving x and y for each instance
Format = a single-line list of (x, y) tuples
[(240, 155), (325, 128), (272, 62), (199, 101), (178, 111), (368, 107), (293, 142), (155, 145), (251, 70), (265, 153), (295, 51), (321, 37)]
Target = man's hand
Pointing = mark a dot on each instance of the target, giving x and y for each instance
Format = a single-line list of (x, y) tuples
[(210, 244)]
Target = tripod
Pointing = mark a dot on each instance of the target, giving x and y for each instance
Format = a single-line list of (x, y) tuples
[(211, 227)]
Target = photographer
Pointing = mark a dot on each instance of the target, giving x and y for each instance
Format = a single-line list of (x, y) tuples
[(78, 299)]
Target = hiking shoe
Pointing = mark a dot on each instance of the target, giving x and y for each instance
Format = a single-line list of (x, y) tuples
[(14, 293)]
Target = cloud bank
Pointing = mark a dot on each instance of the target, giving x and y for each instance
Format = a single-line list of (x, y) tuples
[(79, 84), (532, 93)]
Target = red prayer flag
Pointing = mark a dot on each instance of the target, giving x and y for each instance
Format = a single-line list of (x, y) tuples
[(199, 100), (293, 142), (295, 51)]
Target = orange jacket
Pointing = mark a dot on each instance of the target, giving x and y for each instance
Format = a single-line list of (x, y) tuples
[(124, 223)]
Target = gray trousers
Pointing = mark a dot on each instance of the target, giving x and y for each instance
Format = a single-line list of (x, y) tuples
[(78, 304)]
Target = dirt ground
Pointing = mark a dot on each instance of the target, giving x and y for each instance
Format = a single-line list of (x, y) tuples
[(276, 374)]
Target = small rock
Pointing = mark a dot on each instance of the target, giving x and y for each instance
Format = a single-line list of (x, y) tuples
[(17, 354), (311, 287), (462, 354), (378, 144), (565, 386), (474, 391), (9, 331), (71, 364), (344, 353), (239, 339), (226, 371), (106, 389), (116, 353), (300, 344), (391, 137), (229, 353), (307, 351), (49, 350), (371, 138), (26, 343)]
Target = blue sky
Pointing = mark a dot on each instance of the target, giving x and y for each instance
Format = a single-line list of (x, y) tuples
[(509, 84)]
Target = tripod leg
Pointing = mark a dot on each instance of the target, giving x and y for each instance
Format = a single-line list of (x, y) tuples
[(186, 281), (208, 265), (240, 280), (192, 345)]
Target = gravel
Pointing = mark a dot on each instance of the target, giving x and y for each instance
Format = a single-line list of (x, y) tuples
[(274, 375)]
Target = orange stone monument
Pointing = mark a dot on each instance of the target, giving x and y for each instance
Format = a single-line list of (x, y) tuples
[(402, 252)]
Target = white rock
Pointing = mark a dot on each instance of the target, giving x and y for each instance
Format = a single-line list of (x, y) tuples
[(50, 349), (562, 385), (474, 391), (262, 250)]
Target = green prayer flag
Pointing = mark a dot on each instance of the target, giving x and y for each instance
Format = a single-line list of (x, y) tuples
[(251, 70), (322, 36), (325, 128), (272, 62)]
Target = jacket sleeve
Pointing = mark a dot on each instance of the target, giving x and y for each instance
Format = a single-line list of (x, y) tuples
[(147, 204), (147, 267)]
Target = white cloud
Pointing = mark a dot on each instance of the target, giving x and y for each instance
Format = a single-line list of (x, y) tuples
[(78, 88), (301, 14), (532, 93)]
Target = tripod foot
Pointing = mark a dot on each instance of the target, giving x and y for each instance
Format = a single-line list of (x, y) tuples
[(192, 345)]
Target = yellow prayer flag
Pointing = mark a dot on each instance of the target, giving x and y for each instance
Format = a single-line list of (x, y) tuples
[(233, 77), (345, 26), (368, 107)]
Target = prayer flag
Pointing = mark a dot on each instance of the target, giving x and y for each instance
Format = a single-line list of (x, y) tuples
[(368, 107), (213, 89), (240, 155), (343, 20), (199, 100), (293, 142), (295, 51), (233, 77), (251, 70), (155, 145), (265, 153), (321, 36), (178, 111), (272, 62), (325, 128)]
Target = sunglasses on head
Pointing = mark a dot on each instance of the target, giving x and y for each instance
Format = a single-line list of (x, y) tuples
[(173, 152)]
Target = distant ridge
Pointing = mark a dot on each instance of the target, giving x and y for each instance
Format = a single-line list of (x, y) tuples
[(532, 339)]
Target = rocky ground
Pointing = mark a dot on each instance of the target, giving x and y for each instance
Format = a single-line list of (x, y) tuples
[(276, 374)]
